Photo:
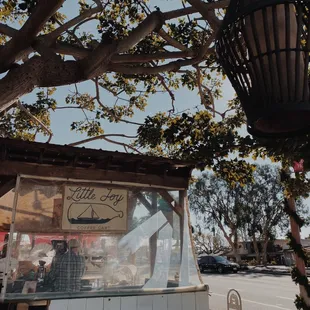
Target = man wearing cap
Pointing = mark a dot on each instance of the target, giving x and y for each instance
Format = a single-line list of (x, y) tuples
[(70, 269)]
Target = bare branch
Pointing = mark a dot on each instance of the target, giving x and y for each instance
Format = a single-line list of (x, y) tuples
[(7, 30), (130, 122), (172, 66), (206, 12), (201, 94), (25, 36), (211, 101), (81, 52), (36, 120), (171, 41), (105, 137), (191, 10), (74, 21)]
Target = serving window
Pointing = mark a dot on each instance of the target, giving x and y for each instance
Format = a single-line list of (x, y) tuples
[(63, 238)]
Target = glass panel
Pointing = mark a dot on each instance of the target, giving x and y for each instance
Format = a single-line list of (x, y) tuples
[(73, 237)]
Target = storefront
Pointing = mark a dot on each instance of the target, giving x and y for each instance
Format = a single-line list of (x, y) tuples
[(89, 229)]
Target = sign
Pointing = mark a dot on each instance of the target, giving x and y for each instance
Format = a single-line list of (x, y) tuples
[(234, 300), (87, 208)]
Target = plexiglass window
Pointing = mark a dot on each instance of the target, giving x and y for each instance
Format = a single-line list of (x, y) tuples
[(79, 238)]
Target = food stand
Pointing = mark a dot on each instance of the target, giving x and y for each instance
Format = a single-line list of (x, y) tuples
[(124, 218)]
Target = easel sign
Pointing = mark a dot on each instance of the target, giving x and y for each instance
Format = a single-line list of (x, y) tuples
[(87, 208), (234, 300)]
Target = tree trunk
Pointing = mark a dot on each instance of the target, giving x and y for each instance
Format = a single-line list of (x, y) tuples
[(256, 249), (237, 255), (265, 245), (236, 247), (37, 72)]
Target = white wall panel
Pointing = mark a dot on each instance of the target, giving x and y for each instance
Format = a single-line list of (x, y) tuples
[(113, 303), (129, 303), (175, 301), (145, 303), (188, 301), (77, 304), (184, 301), (202, 300), (61, 304), (160, 302), (94, 303)]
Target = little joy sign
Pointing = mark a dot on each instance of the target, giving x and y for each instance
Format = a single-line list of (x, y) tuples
[(94, 209)]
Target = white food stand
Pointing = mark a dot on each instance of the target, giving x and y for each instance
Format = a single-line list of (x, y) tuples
[(128, 213)]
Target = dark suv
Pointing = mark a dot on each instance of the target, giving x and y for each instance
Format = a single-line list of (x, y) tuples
[(216, 263)]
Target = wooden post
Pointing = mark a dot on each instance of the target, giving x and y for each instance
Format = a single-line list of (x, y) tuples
[(132, 203), (182, 205), (300, 264), (153, 239)]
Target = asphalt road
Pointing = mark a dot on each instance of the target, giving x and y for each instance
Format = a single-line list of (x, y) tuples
[(258, 291)]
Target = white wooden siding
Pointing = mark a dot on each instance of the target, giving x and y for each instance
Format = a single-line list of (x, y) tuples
[(177, 301)]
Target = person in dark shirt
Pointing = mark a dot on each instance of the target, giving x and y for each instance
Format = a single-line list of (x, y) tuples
[(69, 269)]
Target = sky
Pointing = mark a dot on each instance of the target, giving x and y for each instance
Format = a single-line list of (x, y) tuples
[(185, 99)]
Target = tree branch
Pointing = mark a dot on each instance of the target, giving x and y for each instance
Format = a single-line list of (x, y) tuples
[(36, 120), (74, 21), (7, 30), (172, 66), (191, 10), (104, 137), (97, 62), (37, 72), (171, 41), (26, 35), (206, 12)]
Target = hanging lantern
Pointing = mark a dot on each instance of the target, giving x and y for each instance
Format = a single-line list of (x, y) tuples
[(263, 47)]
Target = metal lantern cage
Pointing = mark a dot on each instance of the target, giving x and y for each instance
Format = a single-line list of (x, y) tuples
[(263, 47)]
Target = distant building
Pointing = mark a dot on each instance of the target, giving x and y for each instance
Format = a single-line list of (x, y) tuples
[(277, 251)]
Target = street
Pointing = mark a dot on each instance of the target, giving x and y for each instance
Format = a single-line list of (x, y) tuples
[(258, 291)]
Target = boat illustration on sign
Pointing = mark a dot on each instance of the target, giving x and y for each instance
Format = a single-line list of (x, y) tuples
[(92, 213)]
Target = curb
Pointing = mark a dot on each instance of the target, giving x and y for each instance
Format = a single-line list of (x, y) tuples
[(280, 273), (283, 273)]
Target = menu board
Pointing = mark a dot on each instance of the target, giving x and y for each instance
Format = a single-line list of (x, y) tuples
[(87, 208)]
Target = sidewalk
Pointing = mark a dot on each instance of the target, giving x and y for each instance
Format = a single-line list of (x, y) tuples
[(274, 269)]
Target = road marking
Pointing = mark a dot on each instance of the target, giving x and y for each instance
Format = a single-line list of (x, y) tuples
[(255, 281), (255, 302), (285, 298), (236, 289)]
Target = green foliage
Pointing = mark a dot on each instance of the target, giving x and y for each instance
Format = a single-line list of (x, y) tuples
[(200, 138), (132, 92), (17, 124), (217, 204)]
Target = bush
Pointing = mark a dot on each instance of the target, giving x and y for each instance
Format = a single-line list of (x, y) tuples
[(253, 262)]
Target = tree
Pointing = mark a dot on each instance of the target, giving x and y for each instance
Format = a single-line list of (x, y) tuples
[(130, 52), (264, 201), (129, 49), (215, 202), (207, 243), (257, 208)]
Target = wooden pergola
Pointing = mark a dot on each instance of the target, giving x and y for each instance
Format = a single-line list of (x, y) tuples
[(48, 160)]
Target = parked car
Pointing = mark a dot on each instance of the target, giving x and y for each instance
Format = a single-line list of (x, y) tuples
[(217, 263)]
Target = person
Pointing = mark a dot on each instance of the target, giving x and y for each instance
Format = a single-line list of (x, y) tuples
[(60, 248), (70, 269)]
